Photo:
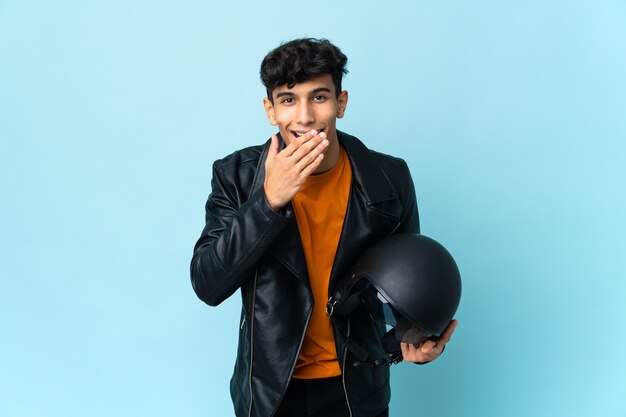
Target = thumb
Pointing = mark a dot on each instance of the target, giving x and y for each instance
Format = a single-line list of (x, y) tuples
[(273, 151)]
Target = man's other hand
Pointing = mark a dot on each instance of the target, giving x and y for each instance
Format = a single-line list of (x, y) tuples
[(430, 349)]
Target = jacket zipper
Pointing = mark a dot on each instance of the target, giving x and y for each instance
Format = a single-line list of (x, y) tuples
[(343, 372), (252, 339)]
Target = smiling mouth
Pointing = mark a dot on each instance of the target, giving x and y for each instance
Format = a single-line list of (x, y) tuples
[(297, 134)]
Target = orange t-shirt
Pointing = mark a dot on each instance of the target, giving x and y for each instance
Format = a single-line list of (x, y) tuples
[(320, 208)]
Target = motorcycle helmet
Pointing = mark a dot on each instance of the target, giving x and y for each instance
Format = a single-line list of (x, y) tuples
[(408, 282)]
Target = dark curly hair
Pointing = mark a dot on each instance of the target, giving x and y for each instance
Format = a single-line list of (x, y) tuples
[(300, 60)]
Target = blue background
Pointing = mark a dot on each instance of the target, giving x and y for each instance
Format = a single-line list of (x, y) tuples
[(510, 114)]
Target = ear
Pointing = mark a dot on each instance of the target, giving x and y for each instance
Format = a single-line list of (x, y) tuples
[(343, 102), (269, 111)]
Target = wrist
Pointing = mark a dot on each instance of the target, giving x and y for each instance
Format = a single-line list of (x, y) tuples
[(275, 206)]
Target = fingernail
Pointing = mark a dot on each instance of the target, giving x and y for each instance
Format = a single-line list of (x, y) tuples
[(314, 132), (323, 135)]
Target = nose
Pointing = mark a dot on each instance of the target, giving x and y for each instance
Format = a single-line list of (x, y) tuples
[(305, 114)]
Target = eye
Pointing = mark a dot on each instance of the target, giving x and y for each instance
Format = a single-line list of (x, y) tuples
[(287, 100), (319, 98)]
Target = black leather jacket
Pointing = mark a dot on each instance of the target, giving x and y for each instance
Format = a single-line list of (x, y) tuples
[(246, 245)]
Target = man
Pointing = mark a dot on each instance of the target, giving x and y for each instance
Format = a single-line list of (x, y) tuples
[(284, 221)]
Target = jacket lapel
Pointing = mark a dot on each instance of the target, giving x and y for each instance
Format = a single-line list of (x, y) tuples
[(368, 176), (367, 219)]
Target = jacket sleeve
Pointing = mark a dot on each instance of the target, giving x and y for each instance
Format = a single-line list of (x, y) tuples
[(409, 222), (238, 232)]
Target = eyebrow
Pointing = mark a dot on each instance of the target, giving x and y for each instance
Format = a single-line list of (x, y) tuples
[(321, 90), (317, 90)]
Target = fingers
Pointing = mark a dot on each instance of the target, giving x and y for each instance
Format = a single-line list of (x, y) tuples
[(409, 352), (427, 346), (296, 144), (421, 352), (313, 156), (405, 351), (447, 333), (312, 166), (418, 353), (429, 349), (308, 150)]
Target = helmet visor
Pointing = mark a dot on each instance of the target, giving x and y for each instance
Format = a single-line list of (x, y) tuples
[(381, 311)]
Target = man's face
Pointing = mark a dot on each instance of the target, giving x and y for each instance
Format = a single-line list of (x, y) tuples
[(311, 104)]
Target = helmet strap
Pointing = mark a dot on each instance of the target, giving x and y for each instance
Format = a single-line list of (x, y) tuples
[(388, 361), (390, 344)]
